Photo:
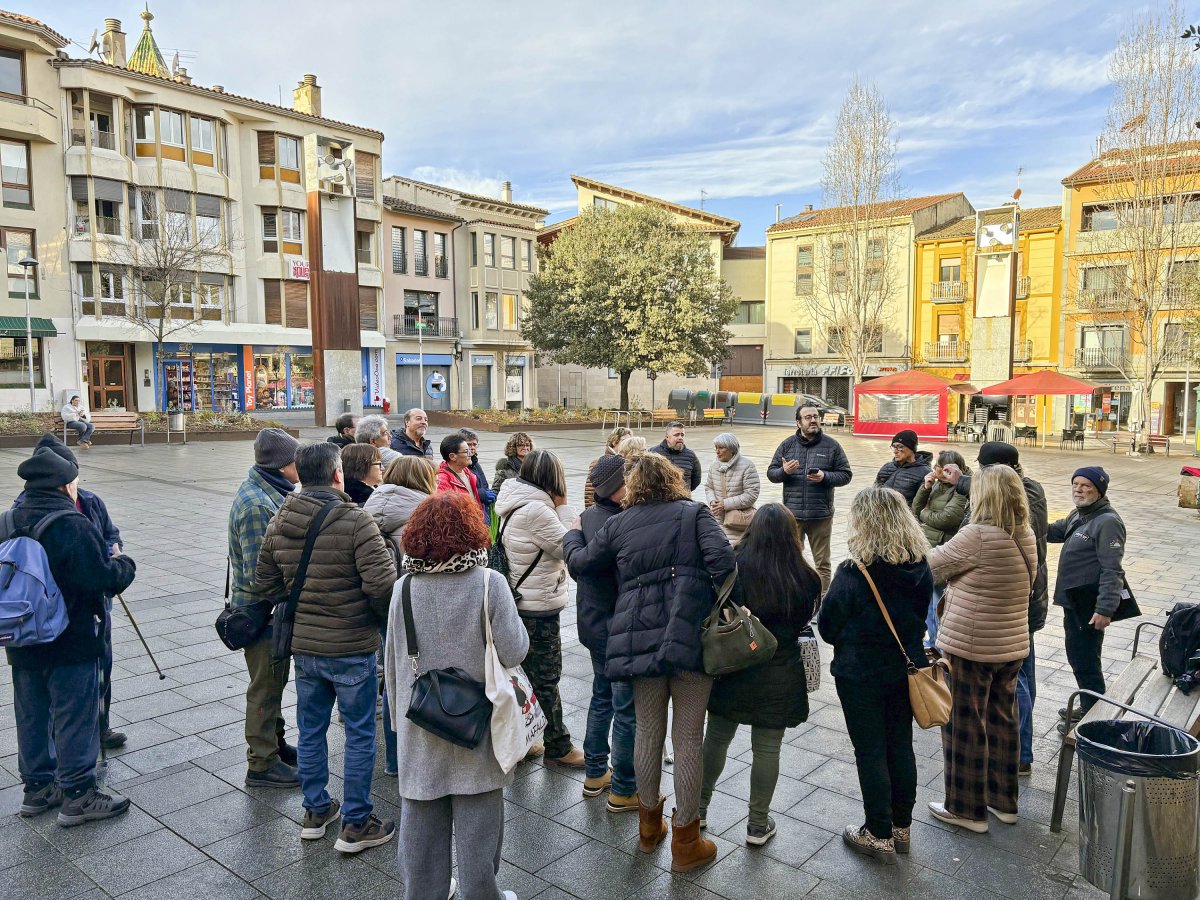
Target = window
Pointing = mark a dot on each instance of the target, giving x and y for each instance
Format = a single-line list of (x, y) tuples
[(950, 270), (202, 137), (875, 249), (750, 312), (143, 124), (508, 252), (364, 176), (949, 328), (489, 249), (839, 282), (1175, 338), (511, 312), (474, 249), (170, 125), (873, 279), (14, 162), (441, 266), (178, 205), (526, 256), (144, 224), (474, 309), (270, 220), (835, 341), (289, 153), (399, 261), (368, 308), (1099, 217), (363, 241), (208, 221), (286, 303), (108, 217), (804, 257), (112, 284), (14, 366), (421, 303), (212, 295), (272, 302), (293, 231), (837, 252), (12, 73), (804, 272), (602, 203), (420, 259), (1183, 208), (491, 305), (804, 284), (266, 154), (803, 341)]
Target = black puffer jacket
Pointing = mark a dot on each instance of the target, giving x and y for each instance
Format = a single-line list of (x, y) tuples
[(684, 460), (809, 500), (906, 478), (595, 595), (666, 569)]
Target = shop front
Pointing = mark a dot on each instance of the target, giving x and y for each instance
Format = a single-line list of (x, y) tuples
[(372, 369), (1106, 409), (482, 367), (234, 377), (109, 366), (423, 380), (515, 367)]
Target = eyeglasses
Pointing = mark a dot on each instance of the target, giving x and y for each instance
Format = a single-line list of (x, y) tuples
[(382, 465)]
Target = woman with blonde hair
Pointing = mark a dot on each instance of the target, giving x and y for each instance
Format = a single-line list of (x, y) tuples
[(630, 446), (989, 569), (610, 448), (406, 482), (519, 446), (887, 554)]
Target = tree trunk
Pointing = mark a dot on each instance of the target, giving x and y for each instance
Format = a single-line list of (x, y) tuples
[(1143, 443), (624, 404)]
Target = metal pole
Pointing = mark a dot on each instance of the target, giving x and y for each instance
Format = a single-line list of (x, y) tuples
[(1120, 871), (420, 358), (1187, 383), (29, 342)]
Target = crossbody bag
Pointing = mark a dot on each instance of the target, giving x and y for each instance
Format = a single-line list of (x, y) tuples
[(284, 622)]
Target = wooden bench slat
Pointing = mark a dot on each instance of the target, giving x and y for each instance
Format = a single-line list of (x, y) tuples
[(1123, 690), (1184, 710), (1155, 692)]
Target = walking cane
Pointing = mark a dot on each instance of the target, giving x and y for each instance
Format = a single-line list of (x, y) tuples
[(133, 622)]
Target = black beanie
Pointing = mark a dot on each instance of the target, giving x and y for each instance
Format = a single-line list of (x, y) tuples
[(998, 453), (52, 441), (608, 475), (46, 470), (908, 438), (1096, 475)]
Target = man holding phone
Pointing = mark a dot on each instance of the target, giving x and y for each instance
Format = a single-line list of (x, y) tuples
[(810, 464)]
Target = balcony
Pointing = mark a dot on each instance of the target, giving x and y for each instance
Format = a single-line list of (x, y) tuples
[(1022, 351), (1022, 287), (109, 306), (1098, 359), (103, 225), (947, 352), (1100, 298), (947, 291), (28, 119), (101, 140), (431, 326)]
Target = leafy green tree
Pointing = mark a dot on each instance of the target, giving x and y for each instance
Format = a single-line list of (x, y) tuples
[(630, 288)]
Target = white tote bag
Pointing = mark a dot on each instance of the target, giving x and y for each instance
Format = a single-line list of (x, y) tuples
[(517, 717)]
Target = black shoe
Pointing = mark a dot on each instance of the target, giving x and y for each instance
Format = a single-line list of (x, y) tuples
[(757, 835), (371, 833), (280, 775), (112, 740), (1076, 715), (37, 802), (91, 807), (287, 754), (1024, 770)]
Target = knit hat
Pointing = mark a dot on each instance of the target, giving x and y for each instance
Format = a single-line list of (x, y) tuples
[(52, 441), (274, 448), (46, 470), (1095, 475), (908, 438), (998, 453), (608, 475)]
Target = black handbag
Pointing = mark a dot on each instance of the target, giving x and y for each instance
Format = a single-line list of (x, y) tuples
[(446, 702), (240, 626), (285, 619)]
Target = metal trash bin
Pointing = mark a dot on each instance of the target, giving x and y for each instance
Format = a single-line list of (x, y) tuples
[(1164, 764)]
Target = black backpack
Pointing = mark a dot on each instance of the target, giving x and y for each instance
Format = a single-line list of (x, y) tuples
[(1180, 639)]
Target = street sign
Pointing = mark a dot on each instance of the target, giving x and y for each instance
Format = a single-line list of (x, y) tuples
[(652, 375)]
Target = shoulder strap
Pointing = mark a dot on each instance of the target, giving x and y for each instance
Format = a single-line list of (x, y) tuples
[(314, 528), (883, 609), (228, 570), (500, 540), (410, 631), (1028, 567), (487, 613), (39, 529), (8, 524)]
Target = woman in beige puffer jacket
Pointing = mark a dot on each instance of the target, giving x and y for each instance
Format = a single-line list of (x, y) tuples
[(984, 635)]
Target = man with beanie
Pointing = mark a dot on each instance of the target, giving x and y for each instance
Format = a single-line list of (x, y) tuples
[(55, 689), (908, 467), (810, 464), (1091, 582), (612, 701), (270, 760)]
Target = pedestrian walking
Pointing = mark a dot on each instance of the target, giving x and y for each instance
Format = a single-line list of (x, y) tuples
[(810, 465), (1090, 586), (487, 496), (939, 507), (410, 440), (508, 466), (674, 448), (344, 429), (362, 466), (448, 790), (56, 696), (373, 430), (270, 760), (406, 482), (343, 603), (989, 568), (612, 701), (534, 516), (78, 419), (610, 449), (732, 487), (868, 669), (776, 584), (668, 552), (906, 470), (454, 474)]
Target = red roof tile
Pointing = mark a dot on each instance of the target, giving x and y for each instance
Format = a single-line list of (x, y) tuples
[(1034, 218), (834, 215), (29, 20), (1185, 158), (395, 204)]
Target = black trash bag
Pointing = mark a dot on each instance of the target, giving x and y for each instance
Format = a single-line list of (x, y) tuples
[(1138, 748)]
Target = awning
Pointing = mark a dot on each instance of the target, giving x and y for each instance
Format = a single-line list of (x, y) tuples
[(14, 326)]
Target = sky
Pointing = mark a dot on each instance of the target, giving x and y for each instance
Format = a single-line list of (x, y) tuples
[(735, 100)]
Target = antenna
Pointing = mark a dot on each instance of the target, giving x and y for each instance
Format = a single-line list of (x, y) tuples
[(94, 43), (703, 197)]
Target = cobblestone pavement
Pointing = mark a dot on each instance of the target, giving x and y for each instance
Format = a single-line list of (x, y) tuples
[(195, 831)]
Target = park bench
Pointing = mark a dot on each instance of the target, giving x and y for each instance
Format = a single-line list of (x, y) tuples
[(1142, 686), (663, 415), (109, 423), (717, 415), (1124, 438)]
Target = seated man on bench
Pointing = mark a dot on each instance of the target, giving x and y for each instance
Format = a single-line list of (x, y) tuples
[(77, 418)]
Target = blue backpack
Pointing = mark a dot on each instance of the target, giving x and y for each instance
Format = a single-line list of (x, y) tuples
[(32, 609)]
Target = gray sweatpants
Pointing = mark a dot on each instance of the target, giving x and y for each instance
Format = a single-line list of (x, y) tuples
[(477, 823), (687, 693)]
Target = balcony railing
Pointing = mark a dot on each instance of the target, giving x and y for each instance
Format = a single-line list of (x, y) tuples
[(1022, 351), (103, 225), (441, 267), (947, 291), (1022, 287), (103, 140), (1098, 358), (948, 352), (1100, 298), (434, 326)]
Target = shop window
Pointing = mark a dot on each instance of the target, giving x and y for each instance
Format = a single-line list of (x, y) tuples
[(489, 249), (271, 381), (20, 244), (14, 366), (420, 257), (491, 307), (526, 256), (512, 319), (399, 262), (302, 384), (12, 73), (803, 341), (508, 252), (14, 163)]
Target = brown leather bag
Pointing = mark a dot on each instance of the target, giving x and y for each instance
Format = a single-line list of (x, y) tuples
[(735, 519)]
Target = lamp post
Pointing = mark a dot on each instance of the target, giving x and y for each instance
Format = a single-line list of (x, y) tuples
[(28, 263)]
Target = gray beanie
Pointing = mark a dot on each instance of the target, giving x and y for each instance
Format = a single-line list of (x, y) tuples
[(274, 448), (608, 474)]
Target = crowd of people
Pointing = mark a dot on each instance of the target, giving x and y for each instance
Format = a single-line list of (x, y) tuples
[(374, 551)]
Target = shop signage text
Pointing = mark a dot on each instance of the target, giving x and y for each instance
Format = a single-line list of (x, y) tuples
[(298, 268), (816, 371), (483, 359), (518, 361)]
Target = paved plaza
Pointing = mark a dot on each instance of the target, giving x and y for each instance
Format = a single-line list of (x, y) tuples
[(195, 830)]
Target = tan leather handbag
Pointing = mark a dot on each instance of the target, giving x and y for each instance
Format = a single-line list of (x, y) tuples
[(928, 688), (735, 519)]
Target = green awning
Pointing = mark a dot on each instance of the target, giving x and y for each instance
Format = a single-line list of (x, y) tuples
[(14, 326)]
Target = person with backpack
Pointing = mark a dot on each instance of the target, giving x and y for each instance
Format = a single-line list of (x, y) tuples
[(55, 686)]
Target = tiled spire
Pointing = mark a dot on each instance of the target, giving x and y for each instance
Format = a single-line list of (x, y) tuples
[(146, 57)]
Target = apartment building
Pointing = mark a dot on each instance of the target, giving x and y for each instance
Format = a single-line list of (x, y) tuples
[(203, 250)]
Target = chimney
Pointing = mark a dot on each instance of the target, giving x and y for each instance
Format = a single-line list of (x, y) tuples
[(219, 88), (777, 208), (306, 98), (182, 76), (112, 43), (506, 192), (808, 207)]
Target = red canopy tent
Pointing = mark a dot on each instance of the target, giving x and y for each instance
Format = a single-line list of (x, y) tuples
[(912, 399), (1043, 383)]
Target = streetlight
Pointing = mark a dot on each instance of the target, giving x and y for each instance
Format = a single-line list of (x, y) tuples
[(28, 263)]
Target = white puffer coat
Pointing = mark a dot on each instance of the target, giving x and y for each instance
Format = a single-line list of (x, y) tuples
[(392, 506), (535, 524)]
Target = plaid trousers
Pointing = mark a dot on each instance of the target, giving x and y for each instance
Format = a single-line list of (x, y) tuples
[(981, 745)]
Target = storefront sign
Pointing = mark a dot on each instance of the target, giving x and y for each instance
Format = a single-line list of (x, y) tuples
[(298, 268), (430, 359), (373, 378), (483, 359), (435, 385), (248, 376), (816, 371), (518, 361)]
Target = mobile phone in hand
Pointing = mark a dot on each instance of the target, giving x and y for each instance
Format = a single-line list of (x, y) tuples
[(814, 471)]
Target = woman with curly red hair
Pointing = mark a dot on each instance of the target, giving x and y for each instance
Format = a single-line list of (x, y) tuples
[(449, 790)]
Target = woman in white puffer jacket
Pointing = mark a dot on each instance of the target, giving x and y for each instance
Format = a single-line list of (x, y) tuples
[(534, 517)]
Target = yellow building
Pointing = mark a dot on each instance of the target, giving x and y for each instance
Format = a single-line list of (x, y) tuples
[(950, 341)]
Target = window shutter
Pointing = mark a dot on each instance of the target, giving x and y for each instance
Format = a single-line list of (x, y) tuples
[(368, 309), (295, 295), (364, 175), (266, 148), (274, 312), (208, 205), (212, 278), (107, 189), (177, 201), (398, 261), (79, 188)]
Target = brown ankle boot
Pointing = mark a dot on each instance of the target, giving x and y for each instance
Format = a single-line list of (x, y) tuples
[(652, 826), (689, 850)]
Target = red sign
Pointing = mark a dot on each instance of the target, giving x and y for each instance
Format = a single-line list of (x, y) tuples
[(248, 376), (299, 269)]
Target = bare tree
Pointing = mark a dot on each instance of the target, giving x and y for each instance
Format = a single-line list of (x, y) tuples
[(1138, 276), (857, 262)]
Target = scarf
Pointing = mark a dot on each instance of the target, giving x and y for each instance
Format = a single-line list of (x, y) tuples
[(725, 467), (463, 562), (275, 480)]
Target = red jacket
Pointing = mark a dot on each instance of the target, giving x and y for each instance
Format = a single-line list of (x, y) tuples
[(448, 481)]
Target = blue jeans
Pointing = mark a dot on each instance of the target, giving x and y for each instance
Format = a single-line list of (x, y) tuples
[(58, 726), (612, 704), (352, 682), (390, 762), (1026, 694), (931, 617), (85, 429)]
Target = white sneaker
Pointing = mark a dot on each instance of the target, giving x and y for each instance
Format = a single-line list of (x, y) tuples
[(1005, 817), (453, 888), (942, 814), (508, 895)]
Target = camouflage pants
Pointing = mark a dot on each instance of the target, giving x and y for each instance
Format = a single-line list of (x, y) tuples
[(543, 665)]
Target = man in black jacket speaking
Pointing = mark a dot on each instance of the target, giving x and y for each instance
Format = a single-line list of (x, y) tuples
[(680, 455), (810, 464)]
